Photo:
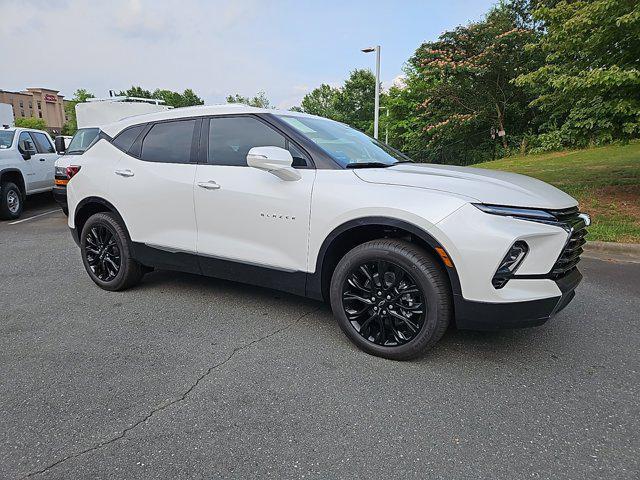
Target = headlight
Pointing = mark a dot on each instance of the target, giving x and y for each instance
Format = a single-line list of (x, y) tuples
[(522, 213)]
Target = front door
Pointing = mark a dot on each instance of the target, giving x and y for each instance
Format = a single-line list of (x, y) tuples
[(27, 145), (248, 215)]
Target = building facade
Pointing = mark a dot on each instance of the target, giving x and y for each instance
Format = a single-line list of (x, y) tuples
[(41, 103)]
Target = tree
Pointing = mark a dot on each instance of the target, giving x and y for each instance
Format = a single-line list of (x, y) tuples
[(31, 122), (355, 101), (187, 98), (321, 101), (79, 96), (588, 90), (82, 95), (461, 88), (136, 91), (259, 101)]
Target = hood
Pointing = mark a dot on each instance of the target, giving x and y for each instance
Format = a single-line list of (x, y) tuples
[(484, 186)]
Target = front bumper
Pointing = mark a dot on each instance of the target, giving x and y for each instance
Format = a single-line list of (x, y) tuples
[(473, 315)]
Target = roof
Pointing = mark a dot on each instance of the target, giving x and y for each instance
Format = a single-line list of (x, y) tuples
[(197, 111)]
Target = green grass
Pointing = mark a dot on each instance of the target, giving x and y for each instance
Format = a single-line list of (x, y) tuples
[(605, 180)]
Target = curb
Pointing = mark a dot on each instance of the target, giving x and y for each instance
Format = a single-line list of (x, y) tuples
[(623, 252)]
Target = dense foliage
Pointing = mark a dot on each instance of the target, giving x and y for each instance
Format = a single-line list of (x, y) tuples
[(31, 122), (588, 90), (532, 75), (260, 100), (80, 95), (187, 98)]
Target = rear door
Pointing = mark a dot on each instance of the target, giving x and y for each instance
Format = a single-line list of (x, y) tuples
[(46, 157), (245, 214), (152, 184)]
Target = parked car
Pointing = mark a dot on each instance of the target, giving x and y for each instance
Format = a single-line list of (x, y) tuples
[(26, 167), (313, 207), (77, 146)]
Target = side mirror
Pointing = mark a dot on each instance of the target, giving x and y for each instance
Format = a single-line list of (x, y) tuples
[(274, 160), (28, 150), (60, 146)]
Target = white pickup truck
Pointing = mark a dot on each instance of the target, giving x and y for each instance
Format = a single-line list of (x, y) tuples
[(27, 166)]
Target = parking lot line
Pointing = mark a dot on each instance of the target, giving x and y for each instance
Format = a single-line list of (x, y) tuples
[(35, 216)]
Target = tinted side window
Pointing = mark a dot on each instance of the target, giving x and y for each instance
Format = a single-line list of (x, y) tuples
[(42, 143), (231, 138), (169, 142), (125, 139)]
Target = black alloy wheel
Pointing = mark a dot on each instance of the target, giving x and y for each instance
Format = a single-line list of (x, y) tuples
[(107, 253), (102, 252), (391, 298), (384, 303)]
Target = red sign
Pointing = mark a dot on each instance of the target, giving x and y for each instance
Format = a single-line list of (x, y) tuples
[(50, 98)]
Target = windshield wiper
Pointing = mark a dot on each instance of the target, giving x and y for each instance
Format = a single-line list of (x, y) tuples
[(70, 152), (369, 165)]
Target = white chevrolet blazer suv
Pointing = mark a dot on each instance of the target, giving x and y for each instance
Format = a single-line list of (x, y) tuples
[(313, 207)]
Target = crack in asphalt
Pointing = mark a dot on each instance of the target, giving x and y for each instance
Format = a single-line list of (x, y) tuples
[(176, 400)]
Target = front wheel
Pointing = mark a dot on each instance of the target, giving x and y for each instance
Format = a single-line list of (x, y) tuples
[(10, 201), (391, 298), (106, 253)]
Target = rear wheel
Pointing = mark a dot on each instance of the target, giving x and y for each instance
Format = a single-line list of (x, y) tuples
[(391, 298), (106, 253), (10, 201)]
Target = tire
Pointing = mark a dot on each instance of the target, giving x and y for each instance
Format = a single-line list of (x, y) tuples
[(400, 332), (104, 243), (11, 201)]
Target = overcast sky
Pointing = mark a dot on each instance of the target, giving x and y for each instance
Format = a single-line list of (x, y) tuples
[(216, 47)]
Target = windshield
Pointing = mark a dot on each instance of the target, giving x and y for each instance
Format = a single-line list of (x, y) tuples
[(347, 146), (6, 138), (81, 140)]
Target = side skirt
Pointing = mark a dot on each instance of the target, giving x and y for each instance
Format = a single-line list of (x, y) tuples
[(286, 281)]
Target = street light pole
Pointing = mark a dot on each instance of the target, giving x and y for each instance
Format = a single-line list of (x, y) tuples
[(386, 128), (376, 113)]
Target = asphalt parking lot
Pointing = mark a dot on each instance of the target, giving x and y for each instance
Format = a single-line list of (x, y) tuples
[(190, 377)]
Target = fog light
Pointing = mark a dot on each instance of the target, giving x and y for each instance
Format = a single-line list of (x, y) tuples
[(510, 264)]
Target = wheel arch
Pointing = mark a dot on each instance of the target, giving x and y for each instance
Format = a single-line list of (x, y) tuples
[(90, 206), (355, 232), (14, 175)]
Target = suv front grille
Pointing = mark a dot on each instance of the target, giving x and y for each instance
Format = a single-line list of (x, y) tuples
[(570, 255)]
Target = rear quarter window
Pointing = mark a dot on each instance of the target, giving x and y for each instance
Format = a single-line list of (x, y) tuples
[(124, 140)]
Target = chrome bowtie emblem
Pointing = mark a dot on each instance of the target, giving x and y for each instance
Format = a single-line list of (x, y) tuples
[(586, 218)]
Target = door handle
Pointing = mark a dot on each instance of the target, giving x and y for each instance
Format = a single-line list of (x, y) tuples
[(124, 173), (42, 159), (210, 185)]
